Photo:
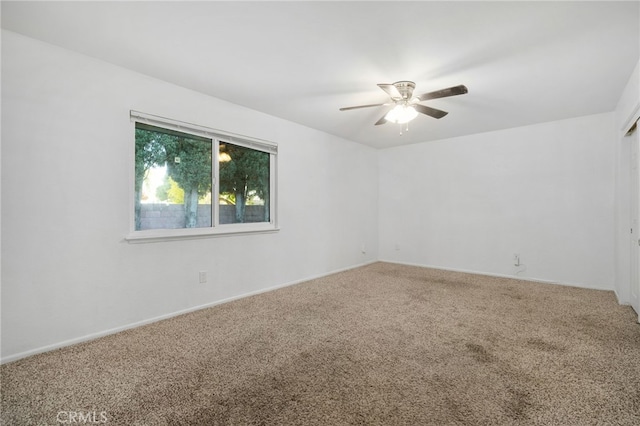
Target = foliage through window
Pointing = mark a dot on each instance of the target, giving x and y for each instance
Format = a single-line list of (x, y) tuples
[(244, 183), (176, 173)]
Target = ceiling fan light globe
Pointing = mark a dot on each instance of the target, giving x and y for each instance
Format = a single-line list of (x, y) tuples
[(401, 114)]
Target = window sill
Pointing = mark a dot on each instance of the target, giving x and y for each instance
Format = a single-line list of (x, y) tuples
[(160, 235)]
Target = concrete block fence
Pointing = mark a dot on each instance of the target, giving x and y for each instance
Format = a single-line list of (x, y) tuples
[(171, 216)]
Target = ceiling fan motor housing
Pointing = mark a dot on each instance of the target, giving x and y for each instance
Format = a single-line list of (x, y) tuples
[(405, 88)]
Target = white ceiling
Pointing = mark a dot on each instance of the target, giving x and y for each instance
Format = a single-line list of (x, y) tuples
[(523, 62)]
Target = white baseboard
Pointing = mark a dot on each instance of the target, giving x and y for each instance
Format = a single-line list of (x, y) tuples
[(103, 333), (622, 301), (490, 274)]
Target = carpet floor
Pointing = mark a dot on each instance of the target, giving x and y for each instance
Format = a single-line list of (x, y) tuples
[(384, 344)]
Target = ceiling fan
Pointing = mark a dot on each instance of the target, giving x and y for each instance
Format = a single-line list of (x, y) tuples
[(406, 106)]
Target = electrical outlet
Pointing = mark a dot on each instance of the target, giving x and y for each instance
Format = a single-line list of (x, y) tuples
[(516, 259), (202, 277)]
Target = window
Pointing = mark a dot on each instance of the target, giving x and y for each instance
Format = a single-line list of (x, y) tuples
[(191, 181), (244, 184)]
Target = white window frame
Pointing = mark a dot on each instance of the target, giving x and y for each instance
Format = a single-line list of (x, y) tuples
[(216, 228)]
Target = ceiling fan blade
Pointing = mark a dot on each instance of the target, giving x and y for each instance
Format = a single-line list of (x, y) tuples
[(431, 112), (360, 106), (450, 91), (391, 90), (382, 120)]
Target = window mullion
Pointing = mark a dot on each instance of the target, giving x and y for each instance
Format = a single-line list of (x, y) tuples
[(215, 187), (272, 189)]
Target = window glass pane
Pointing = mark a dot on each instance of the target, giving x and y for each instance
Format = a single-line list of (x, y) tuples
[(172, 179), (244, 184)]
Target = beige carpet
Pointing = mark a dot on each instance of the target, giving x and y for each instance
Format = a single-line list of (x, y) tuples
[(380, 345)]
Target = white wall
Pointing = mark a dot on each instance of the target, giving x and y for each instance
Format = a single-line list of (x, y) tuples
[(627, 110), (469, 203), (67, 164)]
